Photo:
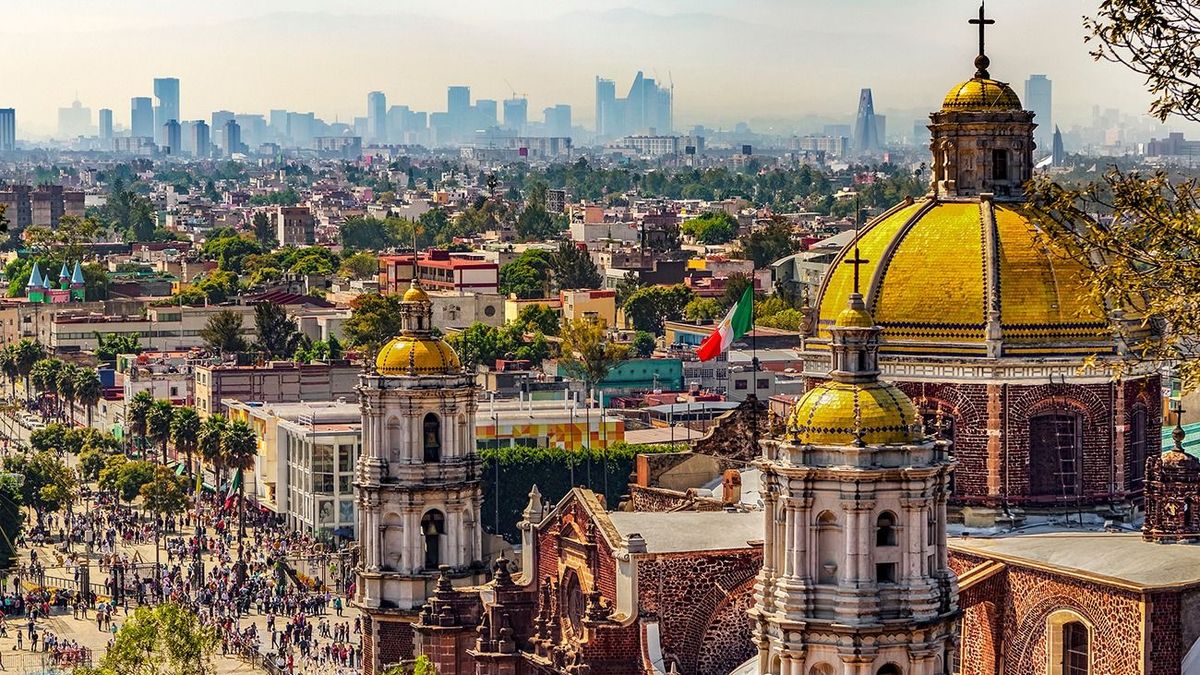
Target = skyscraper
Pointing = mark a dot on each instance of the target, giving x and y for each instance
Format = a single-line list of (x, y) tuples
[(377, 117), (516, 114), (201, 139), (558, 120), (1038, 99), (1058, 153), (606, 104), (141, 117), (485, 113), (233, 137), (173, 137), (458, 112), (74, 121), (8, 129), (106, 127), (647, 108), (166, 90), (866, 128)]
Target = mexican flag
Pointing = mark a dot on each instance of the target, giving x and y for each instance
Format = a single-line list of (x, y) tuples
[(231, 493), (735, 324)]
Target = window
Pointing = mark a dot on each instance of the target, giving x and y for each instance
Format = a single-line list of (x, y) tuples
[(885, 573), (432, 438), (740, 385), (885, 529), (999, 165), (1075, 649), (889, 669), (1068, 637), (764, 383), (433, 527), (1055, 455), (1137, 447)]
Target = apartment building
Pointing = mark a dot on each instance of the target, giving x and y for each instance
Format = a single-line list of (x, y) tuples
[(273, 382), (161, 328), (294, 226), (439, 270)]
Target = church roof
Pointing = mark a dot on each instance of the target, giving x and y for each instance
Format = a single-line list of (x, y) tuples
[(981, 94), (77, 274), (35, 277), (421, 356), (1117, 559), (841, 413), (685, 531)]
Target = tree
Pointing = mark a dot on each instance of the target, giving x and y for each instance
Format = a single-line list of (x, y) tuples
[(573, 268), (88, 390), (91, 462), (165, 494), (110, 345), (768, 244), (11, 368), (223, 333), (528, 276), (67, 376), (166, 639), (158, 425), (701, 310), (208, 442), (374, 319), (48, 483), (263, 231), (535, 223), (239, 446), (12, 519), (125, 477), (185, 430), (360, 266), (278, 334), (135, 414), (28, 353), (735, 288), (538, 318), (643, 344), (647, 308), (711, 228), (229, 249), (588, 354), (45, 377)]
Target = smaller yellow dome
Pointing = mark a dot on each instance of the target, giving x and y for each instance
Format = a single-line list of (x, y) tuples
[(405, 355), (416, 294), (855, 318), (840, 413), (982, 94)]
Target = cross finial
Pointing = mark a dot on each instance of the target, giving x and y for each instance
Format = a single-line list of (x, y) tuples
[(982, 62), (857, 261)]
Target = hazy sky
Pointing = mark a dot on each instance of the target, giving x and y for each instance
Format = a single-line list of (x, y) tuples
[(730, 59)]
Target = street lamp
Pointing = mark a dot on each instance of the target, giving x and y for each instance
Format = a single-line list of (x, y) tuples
[(85, 575)]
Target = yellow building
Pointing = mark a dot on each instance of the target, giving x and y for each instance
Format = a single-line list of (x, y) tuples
[(600, 305), (513, 305)]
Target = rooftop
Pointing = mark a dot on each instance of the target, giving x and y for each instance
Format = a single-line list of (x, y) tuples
[(685, 531), (1113, 558)]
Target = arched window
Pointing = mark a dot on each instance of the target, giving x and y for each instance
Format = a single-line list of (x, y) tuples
[(821, 669), (828, 550), (889, 669), (431, 434), (1137, 447), (885, 529), (1068, 636), (433, 528), (572, 599), (1055, 454)]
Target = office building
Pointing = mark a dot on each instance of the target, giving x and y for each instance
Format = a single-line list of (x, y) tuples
[(558, 120), (252, 129), (1038, 99), (141, 117), (106, 125), (294, 226), (866, 128), (233, 137), (647, 109), (485, 113), (172, 137), (74, 121), (216, 386), (1058, 154), (201, 144), (439, 270), (516, 114), (8, 129), (166, 90), (278, 125), (376, 117), (459, 114)]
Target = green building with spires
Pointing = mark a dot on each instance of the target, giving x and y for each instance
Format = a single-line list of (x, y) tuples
[(70, 287)]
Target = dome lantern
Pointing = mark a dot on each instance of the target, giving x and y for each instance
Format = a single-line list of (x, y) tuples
[(416, 350)]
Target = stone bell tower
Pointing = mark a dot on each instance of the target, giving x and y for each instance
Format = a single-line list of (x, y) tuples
[(855, 578), (417, 483)]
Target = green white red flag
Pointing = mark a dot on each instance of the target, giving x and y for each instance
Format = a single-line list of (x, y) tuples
[(736, 323)]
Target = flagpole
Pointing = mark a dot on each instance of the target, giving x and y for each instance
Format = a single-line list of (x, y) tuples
[(754, 367)]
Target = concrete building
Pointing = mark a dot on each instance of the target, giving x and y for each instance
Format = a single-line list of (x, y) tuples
[(166, 90), (141, 117), (589, 304), (8, 129), (74, 121), (164, 328), (172, 135), (201, 139), (377, 117), (1039, 99), (516, 114), (866, 129), (439, 270), (106, 125), (42, 206), (273, 382), (233, 138), (294, 226)]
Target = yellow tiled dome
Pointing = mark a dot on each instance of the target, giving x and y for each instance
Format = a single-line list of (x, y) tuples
[(982, 94), (406, 354), (937, 269), (839, 413), (855, 318), (416, 294)]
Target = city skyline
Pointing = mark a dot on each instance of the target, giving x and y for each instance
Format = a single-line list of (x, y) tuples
[(812, 63)]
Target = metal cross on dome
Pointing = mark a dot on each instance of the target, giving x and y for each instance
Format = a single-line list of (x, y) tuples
[(857, 261), (981, 62)]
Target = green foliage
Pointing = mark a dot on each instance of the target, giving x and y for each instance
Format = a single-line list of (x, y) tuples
[(360, 266), (91, 462), (263, 231), (711, 228), (700, 310), (11, 520), (647, 308), (229, 249), (309, 260), (321, 350), (125, 476), (278, 334), (71, 440), (136, 411), (539, 318), (573, 268), (536, 223), (223, 333), (521, 468), (788, 319), (587, 353), (481, 344), (48, 483), (374, 319), (166, 494), (735, 288), (110, 345), (768, 244), (158, 424), (643, 344), (528, 276), (166, 639), (238, 446), (288, 197)]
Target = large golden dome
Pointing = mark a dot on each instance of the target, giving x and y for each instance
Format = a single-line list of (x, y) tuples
[(980, 93), (938, 271), (412, 355), (843, 413)]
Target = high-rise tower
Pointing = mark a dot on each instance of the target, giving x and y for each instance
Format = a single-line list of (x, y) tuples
[(141, 117), (377, 117), (8, 129), (166, 90), (1038, 99), (866, 129), (418, 491)]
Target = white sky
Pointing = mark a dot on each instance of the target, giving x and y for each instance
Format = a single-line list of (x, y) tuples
[(730, 60)]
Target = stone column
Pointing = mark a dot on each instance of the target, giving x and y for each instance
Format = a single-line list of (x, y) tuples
[(769, 503), (789, 528), (1120, 428), (995, 442)]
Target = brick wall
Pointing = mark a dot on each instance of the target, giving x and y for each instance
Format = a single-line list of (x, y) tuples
[(660, 500), (1167, 649)]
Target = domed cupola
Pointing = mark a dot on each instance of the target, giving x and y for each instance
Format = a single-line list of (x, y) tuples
[(416, 351)]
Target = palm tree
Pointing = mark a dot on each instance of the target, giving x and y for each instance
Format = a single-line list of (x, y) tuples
[(45, 377), (88, 390), (239, 446), (185, 430), (65, 383), (158, 424), (28, 353), (208, 442), (135, 414), (10, 368)]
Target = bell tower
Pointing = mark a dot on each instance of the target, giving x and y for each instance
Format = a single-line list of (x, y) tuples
[(417, 483)]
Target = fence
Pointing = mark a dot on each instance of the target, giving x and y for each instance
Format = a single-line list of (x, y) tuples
[(52, 662)]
